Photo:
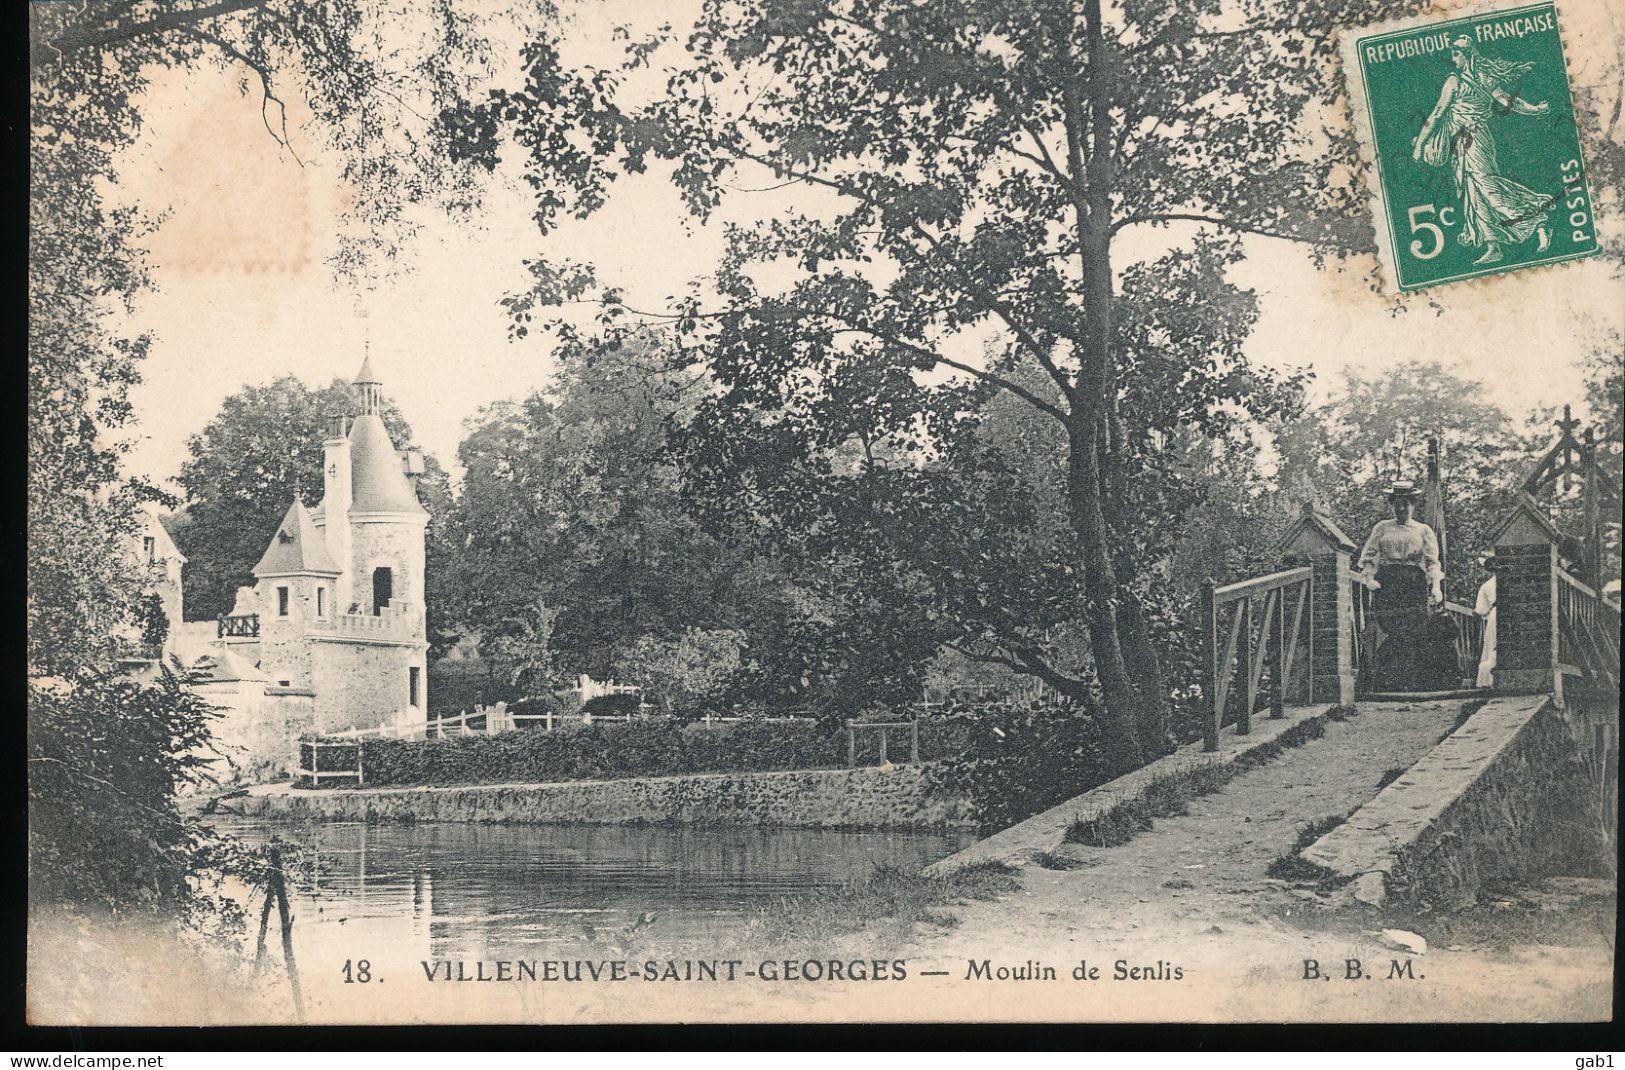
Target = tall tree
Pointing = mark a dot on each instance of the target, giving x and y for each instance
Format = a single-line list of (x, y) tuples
[(259, 452), (570, 501), (83, 269), (982, 166), (1343, 453), (1605, 397)]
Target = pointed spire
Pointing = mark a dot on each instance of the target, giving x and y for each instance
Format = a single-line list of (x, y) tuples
[(366, 382), (365, 375)]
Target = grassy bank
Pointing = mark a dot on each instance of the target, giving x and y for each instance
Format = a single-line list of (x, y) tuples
[(1170, 796), (883, 907)]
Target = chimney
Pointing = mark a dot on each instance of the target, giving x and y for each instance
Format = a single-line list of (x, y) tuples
[(336, 504), (411, 465)]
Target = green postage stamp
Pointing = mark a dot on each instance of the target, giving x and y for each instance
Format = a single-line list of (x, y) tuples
[(1469, 127)]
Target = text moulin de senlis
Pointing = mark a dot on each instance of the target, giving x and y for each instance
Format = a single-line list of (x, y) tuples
[(1031, 970)]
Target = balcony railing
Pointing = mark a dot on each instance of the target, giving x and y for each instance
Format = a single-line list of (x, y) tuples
[(242, 626), (396, 619)]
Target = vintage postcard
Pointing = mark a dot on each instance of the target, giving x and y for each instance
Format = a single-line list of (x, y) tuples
[(605, 511)]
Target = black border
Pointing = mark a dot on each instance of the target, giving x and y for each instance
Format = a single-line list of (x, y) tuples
[(1596, 1037)]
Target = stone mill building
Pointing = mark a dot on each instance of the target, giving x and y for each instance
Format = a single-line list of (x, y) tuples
[(331, 636)]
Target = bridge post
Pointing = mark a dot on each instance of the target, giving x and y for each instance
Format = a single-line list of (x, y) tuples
[(1525, 566), (1315, 540), (1210, 668)]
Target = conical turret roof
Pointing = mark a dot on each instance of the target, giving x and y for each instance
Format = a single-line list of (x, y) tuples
[(377, 484), (297, 547), (365, 375)]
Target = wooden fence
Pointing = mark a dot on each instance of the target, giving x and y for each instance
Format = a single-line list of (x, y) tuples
[(242, 626), (854, 727), (480, 721), (1259, 635), (316, 748)]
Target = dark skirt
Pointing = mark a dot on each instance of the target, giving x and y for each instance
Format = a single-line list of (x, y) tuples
[(1405, 643)]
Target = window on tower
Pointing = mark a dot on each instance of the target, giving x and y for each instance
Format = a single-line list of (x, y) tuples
[(412, 685), (321, 601), (282, 601), (383, 589)]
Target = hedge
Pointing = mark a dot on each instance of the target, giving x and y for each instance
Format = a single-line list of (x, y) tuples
[(655, 747)]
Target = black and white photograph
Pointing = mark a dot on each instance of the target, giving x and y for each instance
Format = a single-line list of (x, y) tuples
[(611, 512)]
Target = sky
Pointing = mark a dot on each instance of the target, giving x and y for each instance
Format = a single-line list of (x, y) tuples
[(244, 293)]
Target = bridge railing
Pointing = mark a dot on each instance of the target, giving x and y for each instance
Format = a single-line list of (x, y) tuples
[(1362, 628), (1468, 626), (1469, 640), (1587, 663), (1587, 634), (1262, 633)]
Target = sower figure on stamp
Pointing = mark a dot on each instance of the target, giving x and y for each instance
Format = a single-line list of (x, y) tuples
[(1495, 210), (1402, 558)]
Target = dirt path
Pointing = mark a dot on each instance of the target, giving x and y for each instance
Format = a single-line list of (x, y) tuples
[(1193, 893)]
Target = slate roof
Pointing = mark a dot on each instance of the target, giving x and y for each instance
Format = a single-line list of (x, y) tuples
[(377, 484), (1317, 521), (225, 667), (1526, 506), (297, 547)]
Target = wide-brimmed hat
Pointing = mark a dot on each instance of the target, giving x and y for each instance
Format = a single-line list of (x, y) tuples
[(1401, 488)]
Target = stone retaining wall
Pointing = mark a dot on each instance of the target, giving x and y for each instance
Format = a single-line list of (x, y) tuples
[(1497, 799), (819, 798)]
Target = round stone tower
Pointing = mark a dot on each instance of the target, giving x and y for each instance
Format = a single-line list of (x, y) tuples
[(386, 520)]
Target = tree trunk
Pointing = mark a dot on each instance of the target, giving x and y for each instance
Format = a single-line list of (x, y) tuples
[(1088, 128), (1100, 595), (1144, 667)]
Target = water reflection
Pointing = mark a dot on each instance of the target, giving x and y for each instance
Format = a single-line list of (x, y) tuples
[(467, 891)]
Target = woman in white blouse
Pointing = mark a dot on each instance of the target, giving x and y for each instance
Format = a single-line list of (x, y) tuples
[(1404, 541), (1401, 559), (1485, 608)]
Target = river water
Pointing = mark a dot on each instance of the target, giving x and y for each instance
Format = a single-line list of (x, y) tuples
[(470, 891)]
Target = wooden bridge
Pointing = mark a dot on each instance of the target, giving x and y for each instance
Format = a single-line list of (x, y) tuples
[(1306, 634), (1288, 661)]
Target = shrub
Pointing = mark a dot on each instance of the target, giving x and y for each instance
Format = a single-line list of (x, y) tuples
[(612, 705), (991, 763), (107, 759), (659, 747), (1025, 761)]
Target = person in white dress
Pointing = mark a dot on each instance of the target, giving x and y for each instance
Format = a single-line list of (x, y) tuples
[(1403, 540), (1401, 561), (1485, 608)]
